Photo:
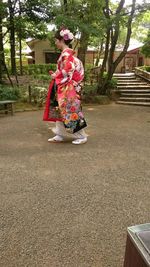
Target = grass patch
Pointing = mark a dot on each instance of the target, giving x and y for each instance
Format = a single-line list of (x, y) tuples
[(9, 93), (20, 106), (146, 68), (90, 96), (96, 99)]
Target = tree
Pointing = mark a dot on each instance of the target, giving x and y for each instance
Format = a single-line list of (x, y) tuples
[(3, 67), (115, 18), (81, 17), (2, 8), (11, 8), (23, 19), (146, 47), (27, 26), (140, 25), (1, 49)]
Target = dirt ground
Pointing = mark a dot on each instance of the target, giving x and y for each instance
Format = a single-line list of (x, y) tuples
[(69, 206)]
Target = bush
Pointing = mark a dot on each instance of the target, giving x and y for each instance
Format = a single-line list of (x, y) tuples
[(9, 93), (38, 94), (111, 84), (96, 99), (33, 69), (147, 68), (94, 77), (90, 89), (90, 96), (87, 73), (42, 77)]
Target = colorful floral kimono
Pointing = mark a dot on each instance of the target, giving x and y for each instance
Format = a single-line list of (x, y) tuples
[(63, 99)]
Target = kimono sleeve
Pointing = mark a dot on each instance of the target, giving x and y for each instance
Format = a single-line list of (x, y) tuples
[(67, 69)]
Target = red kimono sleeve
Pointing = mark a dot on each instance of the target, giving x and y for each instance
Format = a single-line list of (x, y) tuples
[(64, 74)]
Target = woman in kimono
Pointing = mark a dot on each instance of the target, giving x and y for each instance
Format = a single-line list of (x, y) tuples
[(63, 101)]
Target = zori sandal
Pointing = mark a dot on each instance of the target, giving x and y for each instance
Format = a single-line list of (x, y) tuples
[(56, 139), (79, 141)]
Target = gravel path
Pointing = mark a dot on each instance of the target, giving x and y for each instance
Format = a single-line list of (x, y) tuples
[(69, 206)]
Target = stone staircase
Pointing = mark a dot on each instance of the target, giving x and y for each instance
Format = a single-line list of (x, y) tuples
[(133, 90)]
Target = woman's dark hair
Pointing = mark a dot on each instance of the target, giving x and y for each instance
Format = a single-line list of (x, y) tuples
[(59, 37)]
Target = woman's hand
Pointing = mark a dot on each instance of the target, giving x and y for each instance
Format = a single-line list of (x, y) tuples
[(53, 75), (51, 72)]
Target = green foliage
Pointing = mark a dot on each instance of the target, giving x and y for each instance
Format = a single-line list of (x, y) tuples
[(146, 47), (112, 83), (38, 69), (140, 25), (147, 68), (38, 94), (9, 93), (90, 89), (87, 72), (84, 17), (90, 95), (80, 16), (89, 76), (31, 18), (42, 77)]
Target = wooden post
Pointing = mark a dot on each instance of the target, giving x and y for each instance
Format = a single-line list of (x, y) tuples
[(29, 91), (12, 109)]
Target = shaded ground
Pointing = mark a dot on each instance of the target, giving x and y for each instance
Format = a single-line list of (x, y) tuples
[(69, 206), (25, 80)]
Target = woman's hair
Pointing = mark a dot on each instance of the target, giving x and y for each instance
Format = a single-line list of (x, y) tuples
[(60, 37)]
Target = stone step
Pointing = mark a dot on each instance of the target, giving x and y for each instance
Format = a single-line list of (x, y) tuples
[(136, 94), (133, 79), (133, 103), (127, 79), (134, 90), (135, 99), (124, 74), (132, 83), (134, 87)]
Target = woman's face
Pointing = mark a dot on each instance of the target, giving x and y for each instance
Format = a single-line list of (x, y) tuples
[(59, 43)]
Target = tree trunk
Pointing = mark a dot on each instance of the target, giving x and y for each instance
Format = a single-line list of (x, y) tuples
[(114, 33), (2, 56), (83, 47), (20, 42), (12, 38), (20, 54), (65, 5), (99, 53), (1, 51), (100, 88), (129, 31)]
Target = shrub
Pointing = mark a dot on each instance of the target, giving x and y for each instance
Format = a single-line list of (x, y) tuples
[(32, 69), (112, 83), (96, 99), (9, 93), (147, 68), (90, 89), (38, 94), (87, 72), (42, 77)]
